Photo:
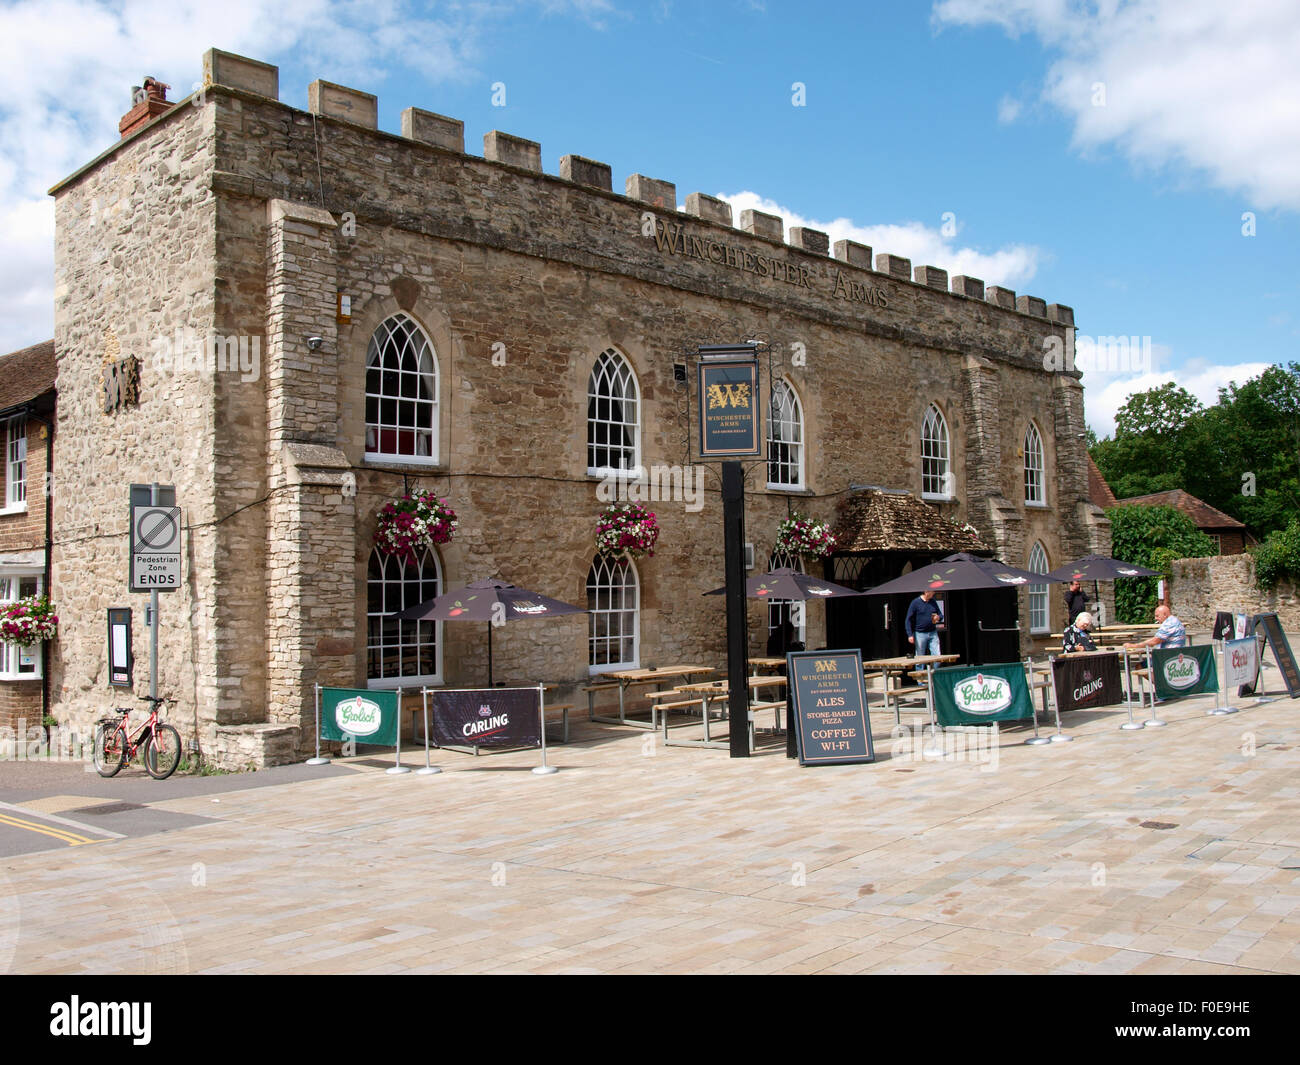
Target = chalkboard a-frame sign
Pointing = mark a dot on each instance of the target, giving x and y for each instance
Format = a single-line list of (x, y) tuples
[(830, 707)]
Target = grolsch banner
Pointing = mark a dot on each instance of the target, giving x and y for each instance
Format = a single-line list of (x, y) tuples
[(980, 695), (1084, 682), (1183, 671), (1241, 663), (357, 714), (490, 717)]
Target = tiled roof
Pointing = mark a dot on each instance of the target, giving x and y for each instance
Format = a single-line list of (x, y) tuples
[(1202, 514), (887, 521), (26, 374), (1098, 490)]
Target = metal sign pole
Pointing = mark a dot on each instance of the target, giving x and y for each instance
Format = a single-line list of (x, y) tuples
[(397, 766), (1222, 708), (153, 616), (1050, 693), (428, 769), (318, 760), (934, 748), (1154, 721), (1130, 725), (1035, 740), (543, 769)]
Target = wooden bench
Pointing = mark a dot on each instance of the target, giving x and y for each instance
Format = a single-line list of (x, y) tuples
[(777, 708), (592, 689), (564, 709)]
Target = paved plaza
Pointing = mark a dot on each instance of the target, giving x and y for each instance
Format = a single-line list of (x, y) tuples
[(1168, 850)]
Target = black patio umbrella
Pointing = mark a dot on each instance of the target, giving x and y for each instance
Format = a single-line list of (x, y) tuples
[(786, 583), (959, 573), (490, 600), (1098, 568)]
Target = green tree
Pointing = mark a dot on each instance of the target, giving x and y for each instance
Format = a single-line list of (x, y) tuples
[(1152, 537)]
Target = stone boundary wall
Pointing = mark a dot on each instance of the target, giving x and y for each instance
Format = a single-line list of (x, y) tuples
[(1201, 586)]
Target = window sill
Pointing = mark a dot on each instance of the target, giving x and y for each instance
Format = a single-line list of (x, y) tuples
[(399, 461), (613, 667), (638, 473), (1036, 506), (408, 683), (793, 489), (931, 497), (22, 509)]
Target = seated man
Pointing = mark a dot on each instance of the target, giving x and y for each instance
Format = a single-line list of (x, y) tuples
[(1076, 637), (1170, 634)]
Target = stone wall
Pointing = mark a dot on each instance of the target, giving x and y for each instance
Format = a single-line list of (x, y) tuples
[(1202, 586)]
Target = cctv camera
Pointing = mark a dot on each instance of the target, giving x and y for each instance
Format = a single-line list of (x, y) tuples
[(315, 343)]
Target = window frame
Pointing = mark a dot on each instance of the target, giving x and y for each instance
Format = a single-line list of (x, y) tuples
[(15, 433), (10, 653), (1039, 593), (625, 373), (1032, 434), (405, 680), (780, 609), (795, 422), (431, 377), (945, 474), (595, 612)]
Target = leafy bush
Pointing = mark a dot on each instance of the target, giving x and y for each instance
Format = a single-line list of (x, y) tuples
[(1278, 557), (1152, 537)]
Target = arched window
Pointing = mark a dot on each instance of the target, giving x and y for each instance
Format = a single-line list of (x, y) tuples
[(1034, 484), (612, 601), (1038, 621), (401, 651), (779, 611), (784, 438), (936, 471), (613, 415), (401, 393)]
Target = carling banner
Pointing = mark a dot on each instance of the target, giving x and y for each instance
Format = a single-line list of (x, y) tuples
[(367, 716), (1184, 671), (979, 695), (1242, 659), (490, 717), (1086, 681)]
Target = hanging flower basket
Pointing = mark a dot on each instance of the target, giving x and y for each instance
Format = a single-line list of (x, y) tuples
[(626, 530), (802, 535), (28, 621), (965, 527), (414, 523)]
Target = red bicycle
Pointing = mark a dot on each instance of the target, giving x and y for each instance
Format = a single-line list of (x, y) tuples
[(114, 745)]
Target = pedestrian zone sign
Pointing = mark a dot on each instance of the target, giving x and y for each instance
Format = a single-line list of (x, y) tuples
[(155, 549)]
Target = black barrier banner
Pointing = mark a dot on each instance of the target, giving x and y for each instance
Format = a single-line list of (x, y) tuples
[(491, 717), (830, 707), (1223, 625), (1084, 682), (1281, 651)]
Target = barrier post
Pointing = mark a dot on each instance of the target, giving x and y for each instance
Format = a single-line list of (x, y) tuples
[(1154, 721), (397, 766), (428, 769), (1059, 737), (934, 747), (544, 769), (1222, 707), (1035, 740), (318, 760), (1130, 725)]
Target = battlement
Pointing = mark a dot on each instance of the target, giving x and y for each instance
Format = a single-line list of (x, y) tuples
[(343, 104)]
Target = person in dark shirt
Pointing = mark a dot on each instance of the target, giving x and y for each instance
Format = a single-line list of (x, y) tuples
[(781, 639), (1076, 637), (1075, 602), (923, 618)]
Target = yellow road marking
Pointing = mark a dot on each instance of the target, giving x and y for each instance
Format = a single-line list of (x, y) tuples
[(62, 834)]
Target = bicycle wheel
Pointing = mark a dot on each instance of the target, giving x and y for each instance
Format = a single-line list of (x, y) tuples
[(162, 752), (110, 748)]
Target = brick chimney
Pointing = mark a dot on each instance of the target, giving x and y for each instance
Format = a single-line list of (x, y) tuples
[(150, 102)]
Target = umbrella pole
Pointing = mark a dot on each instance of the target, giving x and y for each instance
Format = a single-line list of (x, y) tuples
[(489, 654)]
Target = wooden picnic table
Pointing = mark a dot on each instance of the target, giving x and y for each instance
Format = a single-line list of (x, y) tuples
[(707, 691), (628, 677), (766, 663), (903, 664)]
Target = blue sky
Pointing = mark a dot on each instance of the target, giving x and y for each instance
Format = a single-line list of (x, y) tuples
[(968, 134)]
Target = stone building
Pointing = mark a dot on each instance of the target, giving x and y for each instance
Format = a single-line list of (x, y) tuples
[(26, 421), (326, 316)]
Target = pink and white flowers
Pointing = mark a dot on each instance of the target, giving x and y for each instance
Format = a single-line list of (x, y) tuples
[(626, 530), (28, 621), (410, 525), (802, 535)]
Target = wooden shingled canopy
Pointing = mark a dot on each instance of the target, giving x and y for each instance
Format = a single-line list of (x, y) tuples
[(878, 520)]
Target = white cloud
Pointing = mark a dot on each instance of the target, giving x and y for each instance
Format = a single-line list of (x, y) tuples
[(1010, 266), (1009, 110), (1198, 84), (1105, 394), (70, 64)]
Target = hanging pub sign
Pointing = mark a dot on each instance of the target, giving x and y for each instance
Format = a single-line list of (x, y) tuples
[(830, 707), (980, 695), (1086, 681), (363, 715), (728, 403), (487, 717), (1183, 671)]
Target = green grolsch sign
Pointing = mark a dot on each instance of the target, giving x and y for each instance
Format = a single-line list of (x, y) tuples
[(359, 714)]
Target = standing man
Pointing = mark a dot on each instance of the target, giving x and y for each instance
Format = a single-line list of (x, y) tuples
[(923, 619), (1075, 603)]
